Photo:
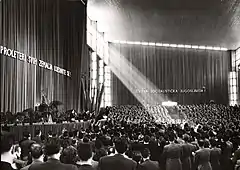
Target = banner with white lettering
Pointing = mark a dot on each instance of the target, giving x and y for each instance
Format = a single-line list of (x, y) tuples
[(31, 60)]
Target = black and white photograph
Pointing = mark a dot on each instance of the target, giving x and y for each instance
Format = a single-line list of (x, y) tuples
[(120, 84)]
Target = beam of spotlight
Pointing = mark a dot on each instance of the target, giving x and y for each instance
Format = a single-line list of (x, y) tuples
[(142, 88)]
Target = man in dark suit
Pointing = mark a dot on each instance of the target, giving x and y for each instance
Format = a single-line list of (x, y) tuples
[(136, 145), (172, 154), (37, 138), (227, 148), (187, 149), (202, 157), (37, 155), (147, 164), (236, 157), (85, 154), (25, 144), (119, 161), (215, 155), (7, 155), (53, 150)]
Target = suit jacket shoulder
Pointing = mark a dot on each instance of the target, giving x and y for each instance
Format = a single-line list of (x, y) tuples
[(116, 162), (52, 165)]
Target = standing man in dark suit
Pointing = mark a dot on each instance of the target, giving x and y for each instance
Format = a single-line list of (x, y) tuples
[(187, 156), (215, 155), (36, 154), (85, 155), (147, 164), (172, 154), (37, 138), (202, 157), (119, 161), (25, 144), (52, 150), (226, 148), (7, 155)]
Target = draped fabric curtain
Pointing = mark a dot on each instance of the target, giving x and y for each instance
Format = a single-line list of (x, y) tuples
[(175, 68), (50, 30)]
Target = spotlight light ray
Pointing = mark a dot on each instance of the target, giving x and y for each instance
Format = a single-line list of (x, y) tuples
[(140, 83), (142, 88)]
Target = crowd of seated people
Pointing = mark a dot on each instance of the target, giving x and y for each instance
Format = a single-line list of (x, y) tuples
[(131, 139), (130, 113), (125, 145), (212, 114), (137, 114), (208, 114)]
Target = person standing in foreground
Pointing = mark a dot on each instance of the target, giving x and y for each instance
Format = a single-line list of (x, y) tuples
[(7, 156), (36, 154), (148, 164), (172, 154), (187, 153), (118, 161), (215, 156), (202, 157), (85, 155), (53, 151)]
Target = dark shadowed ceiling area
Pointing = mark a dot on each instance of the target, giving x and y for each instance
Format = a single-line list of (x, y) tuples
[(196, 22)]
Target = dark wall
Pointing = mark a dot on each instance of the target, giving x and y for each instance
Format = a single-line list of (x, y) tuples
[(49, 30), (176, 68)]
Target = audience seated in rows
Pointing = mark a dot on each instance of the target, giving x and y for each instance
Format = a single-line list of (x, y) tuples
[(131, 139)]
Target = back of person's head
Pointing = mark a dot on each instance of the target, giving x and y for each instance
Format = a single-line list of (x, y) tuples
[(180, 133), (85, 139), (93, 136), (201, 143), (213, 143), (146, 153), (225, 138), (84, 151), (71, 134), (171, 136), (50, 133), (65, 134), (80, 135), (36, 151), (52, 146), (98, 144), (88, 131), (7, 141), (146, 138), (37, 132), (120, 145), (69, 155), (26, 134), (75, 133), (135, 137), (206, 144), (186, 138)]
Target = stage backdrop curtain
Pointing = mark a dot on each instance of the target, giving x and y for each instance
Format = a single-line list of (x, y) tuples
[(50, 30), (175, 68)]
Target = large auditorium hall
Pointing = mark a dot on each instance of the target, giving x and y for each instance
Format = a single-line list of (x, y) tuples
[(120, 84)]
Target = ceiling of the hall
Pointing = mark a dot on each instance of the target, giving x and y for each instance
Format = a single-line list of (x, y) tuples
[(198, 22)]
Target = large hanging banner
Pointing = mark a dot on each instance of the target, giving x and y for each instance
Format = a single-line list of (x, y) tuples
[(31, 60)]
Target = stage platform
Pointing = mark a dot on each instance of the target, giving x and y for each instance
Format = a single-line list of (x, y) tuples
[(45, 128)]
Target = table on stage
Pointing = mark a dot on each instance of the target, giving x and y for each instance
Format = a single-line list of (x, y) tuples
[(45, 128)]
